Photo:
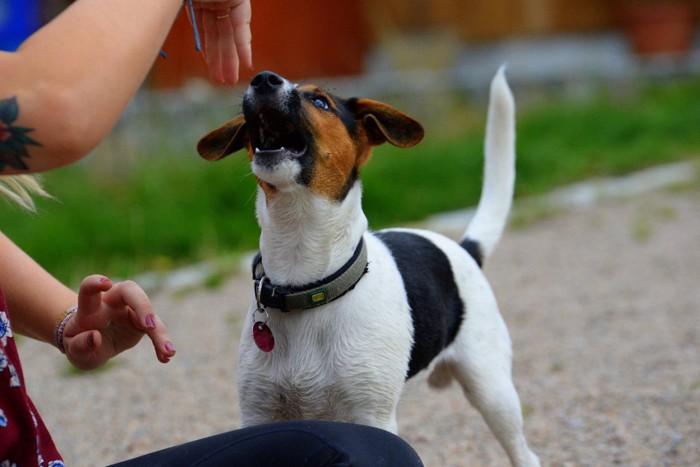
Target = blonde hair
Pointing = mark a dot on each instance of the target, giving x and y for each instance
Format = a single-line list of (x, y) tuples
[(20, 188)]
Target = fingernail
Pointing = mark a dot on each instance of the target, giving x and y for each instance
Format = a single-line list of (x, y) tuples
[(104, 280), (91, 340), (169, 346), (151, 321)]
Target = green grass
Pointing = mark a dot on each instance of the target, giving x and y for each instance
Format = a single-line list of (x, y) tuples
[(608, 138), (164, 215), (173, 209)]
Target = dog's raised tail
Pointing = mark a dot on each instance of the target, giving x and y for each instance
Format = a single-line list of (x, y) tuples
[(486, 227)]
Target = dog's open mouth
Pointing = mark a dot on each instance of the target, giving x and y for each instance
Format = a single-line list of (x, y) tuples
[(274, 137)]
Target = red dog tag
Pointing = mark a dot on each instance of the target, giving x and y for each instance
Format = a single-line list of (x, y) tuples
[(262, 335)]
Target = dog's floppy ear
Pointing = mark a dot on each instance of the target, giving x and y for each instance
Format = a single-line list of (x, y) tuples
[(383, 123), (225, 140)]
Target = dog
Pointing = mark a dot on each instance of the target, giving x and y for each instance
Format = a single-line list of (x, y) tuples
[(342, 316)]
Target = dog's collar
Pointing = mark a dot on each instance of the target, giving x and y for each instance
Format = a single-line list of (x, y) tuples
[(310, 295)]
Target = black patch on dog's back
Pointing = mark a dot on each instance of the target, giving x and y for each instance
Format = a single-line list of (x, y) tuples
[(474, 249), (436, 307)]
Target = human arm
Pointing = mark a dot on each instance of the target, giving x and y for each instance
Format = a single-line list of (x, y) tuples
[(110, 318), (73, 78)]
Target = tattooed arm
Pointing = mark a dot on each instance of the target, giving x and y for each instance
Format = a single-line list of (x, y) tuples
[(60, 94), (65, 87)]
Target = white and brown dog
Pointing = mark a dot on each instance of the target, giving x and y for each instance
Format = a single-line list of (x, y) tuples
[(342, 316)]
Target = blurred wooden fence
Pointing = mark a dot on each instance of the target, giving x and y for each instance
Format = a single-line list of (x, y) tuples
[(331, 38)]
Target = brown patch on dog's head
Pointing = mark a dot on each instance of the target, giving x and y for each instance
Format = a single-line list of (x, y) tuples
[(345, 136), (334, 143), (325, 138)]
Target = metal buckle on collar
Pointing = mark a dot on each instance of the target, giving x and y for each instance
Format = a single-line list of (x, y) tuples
[(269, 295)]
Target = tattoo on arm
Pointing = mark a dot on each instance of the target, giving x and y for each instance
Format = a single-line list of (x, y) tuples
[(13, 139)]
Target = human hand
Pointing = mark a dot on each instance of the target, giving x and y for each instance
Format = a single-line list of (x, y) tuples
[(227, 37), (112, 318)]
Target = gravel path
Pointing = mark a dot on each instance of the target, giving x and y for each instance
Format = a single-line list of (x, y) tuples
[(603, 305)]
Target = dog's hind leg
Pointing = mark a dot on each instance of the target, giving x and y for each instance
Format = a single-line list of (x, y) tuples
[(480, 361), (492, 393)]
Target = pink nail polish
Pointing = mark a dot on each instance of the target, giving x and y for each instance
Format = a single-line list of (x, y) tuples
[(169, 346), (105, 279), (151, 321)]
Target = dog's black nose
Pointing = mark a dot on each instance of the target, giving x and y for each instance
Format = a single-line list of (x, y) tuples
[(266, 81)]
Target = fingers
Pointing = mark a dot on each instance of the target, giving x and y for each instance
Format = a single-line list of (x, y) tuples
[(129, 296), (165, 350), (228, 54), (242, 36), (227, 40), (90, 302), (212, 43), (84, 350), (142, 317), (111, 318)]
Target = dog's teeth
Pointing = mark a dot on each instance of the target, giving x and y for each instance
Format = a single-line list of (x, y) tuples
[(257, 150)]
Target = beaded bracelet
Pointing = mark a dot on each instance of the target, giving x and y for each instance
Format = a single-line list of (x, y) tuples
[(61, 326)]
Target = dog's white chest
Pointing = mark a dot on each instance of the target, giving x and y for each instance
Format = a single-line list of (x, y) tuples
[(336, 362), (314, 379), (285, 401)]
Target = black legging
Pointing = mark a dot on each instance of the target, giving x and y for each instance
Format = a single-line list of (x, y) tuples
[(289, 444)]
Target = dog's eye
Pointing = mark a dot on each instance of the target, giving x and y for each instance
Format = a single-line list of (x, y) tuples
[(321, 103)]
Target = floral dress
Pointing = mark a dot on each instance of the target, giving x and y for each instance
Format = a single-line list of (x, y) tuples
[(24, 439)]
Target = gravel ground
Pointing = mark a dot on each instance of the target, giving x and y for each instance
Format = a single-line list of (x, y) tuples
[(603, 305)]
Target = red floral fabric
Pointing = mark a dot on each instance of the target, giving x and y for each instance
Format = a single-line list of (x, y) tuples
[(24, 439)]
